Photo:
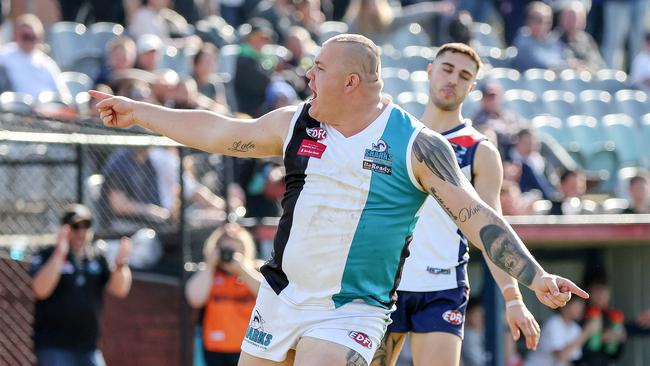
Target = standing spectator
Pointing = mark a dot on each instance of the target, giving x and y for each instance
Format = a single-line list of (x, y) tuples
[(30, 70), (494, 120), (562, 338), (573, 184), (253, 73), (473, 348), (606, 344), (377, 20), (69, 282), (225, 290), (571, 31), (623, 20), (639, 196), (536, 46), (525, 153), (640, 70)]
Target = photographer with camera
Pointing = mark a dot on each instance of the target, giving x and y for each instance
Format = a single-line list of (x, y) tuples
[(225, 288)]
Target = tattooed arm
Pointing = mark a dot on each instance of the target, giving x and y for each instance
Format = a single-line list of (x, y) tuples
[(203, 130), (435, 168)]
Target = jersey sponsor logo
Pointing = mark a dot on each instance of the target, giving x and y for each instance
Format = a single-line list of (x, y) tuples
[(378, 158), (255, 333), (361, 338), (454, 317), (312, 149), (316, 133), (438, 271)]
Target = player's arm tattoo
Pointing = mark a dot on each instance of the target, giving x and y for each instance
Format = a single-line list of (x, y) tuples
[(353, 358), (242, 147), (508, 253), (437, 156), (500, 243), (389, 345)]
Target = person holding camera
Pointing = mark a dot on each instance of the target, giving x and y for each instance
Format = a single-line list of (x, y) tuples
[(69, 280), (225, 289)]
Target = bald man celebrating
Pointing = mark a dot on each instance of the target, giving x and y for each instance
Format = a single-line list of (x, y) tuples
[(358, 168)]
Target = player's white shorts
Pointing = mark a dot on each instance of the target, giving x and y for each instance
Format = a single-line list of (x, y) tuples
[(276, 326)]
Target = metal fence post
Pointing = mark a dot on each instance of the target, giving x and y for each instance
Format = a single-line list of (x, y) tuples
[(494, 319), (186, 255)]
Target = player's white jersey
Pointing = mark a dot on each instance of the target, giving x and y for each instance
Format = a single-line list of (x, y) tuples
[(349, 211), (439, 251)]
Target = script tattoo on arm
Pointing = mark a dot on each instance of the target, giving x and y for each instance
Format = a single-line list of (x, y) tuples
[(353, 358), (242, 147), (437, 156), (507, 253)]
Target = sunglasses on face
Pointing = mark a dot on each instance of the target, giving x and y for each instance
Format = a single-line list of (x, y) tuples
[(80, 225)]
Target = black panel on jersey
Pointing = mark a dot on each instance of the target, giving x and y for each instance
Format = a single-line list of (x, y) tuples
[(295, 166), (398, 276)]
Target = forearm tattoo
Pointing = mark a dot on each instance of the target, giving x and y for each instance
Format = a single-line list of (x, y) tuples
[(508, 253), (442, 203), (242, 147), (466, 213), (353, 358), (437, 156), (389, 345)]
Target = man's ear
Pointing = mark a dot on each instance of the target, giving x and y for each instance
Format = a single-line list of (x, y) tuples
[(352, 81)]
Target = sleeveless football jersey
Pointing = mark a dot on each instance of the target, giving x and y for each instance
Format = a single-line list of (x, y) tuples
[(348, 212), (439, 251)]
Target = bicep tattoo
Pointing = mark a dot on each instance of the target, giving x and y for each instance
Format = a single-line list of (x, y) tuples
[(437, 156), (508, 253)]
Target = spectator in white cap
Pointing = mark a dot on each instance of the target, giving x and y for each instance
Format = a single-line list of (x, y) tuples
[(149, 47)]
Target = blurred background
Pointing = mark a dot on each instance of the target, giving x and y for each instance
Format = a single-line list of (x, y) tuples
[(563, 92)]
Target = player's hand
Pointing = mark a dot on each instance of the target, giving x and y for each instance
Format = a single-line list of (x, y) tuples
[(555, 291), (521, 321), (63, 242), (114, 111), (123, 252)]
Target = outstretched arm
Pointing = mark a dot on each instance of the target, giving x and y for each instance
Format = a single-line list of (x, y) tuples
[(437, 171), (488, 177), (204, 130)]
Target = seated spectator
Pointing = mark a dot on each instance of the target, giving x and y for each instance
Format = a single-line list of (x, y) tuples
[(225, 289), (253, 73), (639, 196), (494, 119), (130, 195), (585, 54), (473, 347), (640, 69), (30, 70), (573, 185), (121, 56), (562, 337), (526, 154), (149, 48), (208, 82), (155, 17), (513, 203), (164, 86), (377, 20), (166, 162), (186, 96), (536, 46)]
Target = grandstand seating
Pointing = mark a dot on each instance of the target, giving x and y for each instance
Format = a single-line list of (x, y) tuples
[(103, 32), (508, 78), (524, 102), (396, 80), (621, 129), (559, 103), (414, 103), (330, 29), (632, 102), (595, 102), (77, 82), (16, 102), (540, 80)]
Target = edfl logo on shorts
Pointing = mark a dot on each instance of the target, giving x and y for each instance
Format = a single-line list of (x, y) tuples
[(255, 333), (454, 317), (361, 338)]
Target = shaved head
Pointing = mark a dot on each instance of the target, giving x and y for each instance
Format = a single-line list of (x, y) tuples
[(360, 56)]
